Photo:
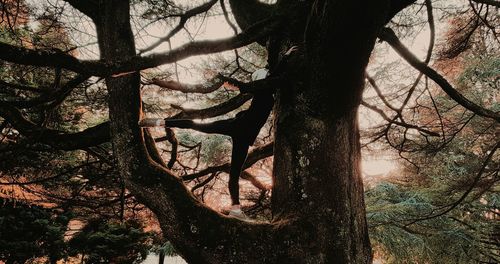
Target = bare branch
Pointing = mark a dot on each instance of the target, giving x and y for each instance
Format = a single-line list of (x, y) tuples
[(203, 88), (380, 95), (152, 149), (393, 121), (183, 19), (217, 110), (251, 87), (255, 182), (390, 37), (173, 141)]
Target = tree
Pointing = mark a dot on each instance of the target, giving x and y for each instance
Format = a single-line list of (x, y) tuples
[(30, 231), (317, 197), (102, 241)]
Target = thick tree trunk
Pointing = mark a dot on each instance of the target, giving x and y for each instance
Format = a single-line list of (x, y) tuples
[(317, 176), (318, 180)]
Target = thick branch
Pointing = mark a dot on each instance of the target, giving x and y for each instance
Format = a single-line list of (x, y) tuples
[(397, 6), (186, 222), (390, 37), (255, 182), (216, 82), (217, 110), (251, 87), (52, 58), (66, 141), (87, 7), (11, 86), (151, 148)]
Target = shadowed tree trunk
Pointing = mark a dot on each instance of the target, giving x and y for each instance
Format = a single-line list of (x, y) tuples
[(317, 177), (317, 196)]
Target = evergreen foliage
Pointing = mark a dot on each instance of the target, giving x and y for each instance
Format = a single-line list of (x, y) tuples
[(30, 231), (102, 241)]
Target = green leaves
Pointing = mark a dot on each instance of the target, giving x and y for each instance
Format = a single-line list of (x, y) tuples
[(30, 231), (102, 241)]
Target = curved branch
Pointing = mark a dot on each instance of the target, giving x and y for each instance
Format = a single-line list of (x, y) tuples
[(87, 7), (217, 110), (54, 58), (268, 84), (430, 19), (245, 175), (373, 83), (390, 37), (60, 140), (151, 148)]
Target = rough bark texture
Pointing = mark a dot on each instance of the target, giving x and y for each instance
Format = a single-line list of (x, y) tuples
[(317, 201), (317, 151)]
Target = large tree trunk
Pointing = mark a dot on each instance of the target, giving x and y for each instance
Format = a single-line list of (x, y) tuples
[(317, 176), (317, 201)]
